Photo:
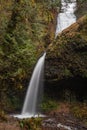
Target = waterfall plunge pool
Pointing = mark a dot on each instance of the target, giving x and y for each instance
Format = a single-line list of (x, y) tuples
[(27, 115)]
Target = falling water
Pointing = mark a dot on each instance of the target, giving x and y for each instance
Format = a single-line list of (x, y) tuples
[(32, 92), (30, 107), (66, 17), (30, 102)]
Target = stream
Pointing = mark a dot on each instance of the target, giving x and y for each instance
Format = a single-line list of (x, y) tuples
[(66, 17)]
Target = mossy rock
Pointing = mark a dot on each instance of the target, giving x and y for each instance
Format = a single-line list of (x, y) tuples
[(67, 55), (66, 63)]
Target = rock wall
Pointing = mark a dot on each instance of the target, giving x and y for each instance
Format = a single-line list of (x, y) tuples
[(67, 59)]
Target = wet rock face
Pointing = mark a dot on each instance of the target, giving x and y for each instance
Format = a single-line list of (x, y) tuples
[(67, 57), (69, 89)]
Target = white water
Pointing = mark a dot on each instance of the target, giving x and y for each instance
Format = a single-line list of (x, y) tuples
[(66, 17), (30, 108)]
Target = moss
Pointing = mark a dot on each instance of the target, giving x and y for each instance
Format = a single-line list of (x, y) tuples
[(69, 52)]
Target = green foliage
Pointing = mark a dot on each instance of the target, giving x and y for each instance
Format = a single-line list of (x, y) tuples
[(71, 54), (81, 1), (52, 4), (49, 105), (81, 8), (17, 55), (5, 13), (30, 124), (3, 116), (79, 111), (24, 26)]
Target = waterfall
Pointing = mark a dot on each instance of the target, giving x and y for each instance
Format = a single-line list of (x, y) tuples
[(30, 103), (66, 17), (32, 99)]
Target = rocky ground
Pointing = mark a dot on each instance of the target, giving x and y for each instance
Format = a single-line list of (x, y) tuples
[(62, 122), (60, 119)]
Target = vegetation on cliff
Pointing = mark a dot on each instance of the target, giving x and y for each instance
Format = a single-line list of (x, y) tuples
[(69, 51), (81, 8), (25, 27), (66, 64)]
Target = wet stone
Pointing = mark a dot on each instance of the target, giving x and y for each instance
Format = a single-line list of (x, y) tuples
[(51, 122)]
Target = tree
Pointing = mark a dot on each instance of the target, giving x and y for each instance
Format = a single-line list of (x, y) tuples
[(17, 54)]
